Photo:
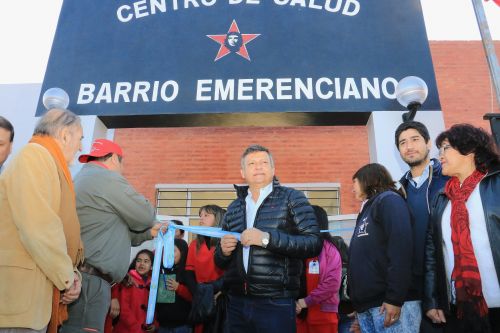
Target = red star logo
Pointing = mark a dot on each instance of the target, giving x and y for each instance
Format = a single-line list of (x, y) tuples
[(233, 41)]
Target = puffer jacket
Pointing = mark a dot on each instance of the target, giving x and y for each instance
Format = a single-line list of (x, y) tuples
[(436, 291), (273, 271)]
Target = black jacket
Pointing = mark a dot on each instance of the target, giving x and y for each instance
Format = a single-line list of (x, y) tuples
[(436, 293), (380, 253), (273, 271)]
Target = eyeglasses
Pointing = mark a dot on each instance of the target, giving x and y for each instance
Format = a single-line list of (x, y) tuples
[(443, 149)]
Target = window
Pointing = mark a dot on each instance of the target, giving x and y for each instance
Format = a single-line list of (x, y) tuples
[(183, 201)]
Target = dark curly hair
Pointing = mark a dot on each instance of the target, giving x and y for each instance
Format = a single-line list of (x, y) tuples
[(373, 179), (469, 139)]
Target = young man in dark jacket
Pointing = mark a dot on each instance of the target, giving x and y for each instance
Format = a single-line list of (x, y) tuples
[(420, 184), (279, 230)]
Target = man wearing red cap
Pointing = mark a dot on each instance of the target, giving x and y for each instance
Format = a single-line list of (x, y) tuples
[(113, 217)]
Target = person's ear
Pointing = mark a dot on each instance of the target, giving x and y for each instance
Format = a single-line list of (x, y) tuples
[(116, 159), (64, 135)]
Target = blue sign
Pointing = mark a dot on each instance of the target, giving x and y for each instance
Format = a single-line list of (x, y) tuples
[(184, 57)]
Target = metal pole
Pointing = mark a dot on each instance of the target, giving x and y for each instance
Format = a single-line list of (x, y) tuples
[(494, 119), (489, 47)]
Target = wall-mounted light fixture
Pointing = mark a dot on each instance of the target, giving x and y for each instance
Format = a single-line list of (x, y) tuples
[(411, 92), (55, 98)]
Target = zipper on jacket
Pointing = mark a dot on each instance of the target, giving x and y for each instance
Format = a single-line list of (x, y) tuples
[(245, 284), (431, 171), (250, 251)]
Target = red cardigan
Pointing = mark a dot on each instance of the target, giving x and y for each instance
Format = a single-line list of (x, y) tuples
[(202, 263), (133, 305)]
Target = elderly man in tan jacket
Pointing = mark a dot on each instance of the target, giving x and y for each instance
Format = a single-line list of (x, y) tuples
[(40, 242)]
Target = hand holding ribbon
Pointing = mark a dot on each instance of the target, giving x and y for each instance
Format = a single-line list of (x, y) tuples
[(164, 250)]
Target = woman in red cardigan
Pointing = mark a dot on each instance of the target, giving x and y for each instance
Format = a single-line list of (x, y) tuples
[(134, 298), (200, 266)]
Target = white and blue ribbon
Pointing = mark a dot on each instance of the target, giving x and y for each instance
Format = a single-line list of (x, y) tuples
[(160, 246), (206, 231), (164, 245), (335, 231)]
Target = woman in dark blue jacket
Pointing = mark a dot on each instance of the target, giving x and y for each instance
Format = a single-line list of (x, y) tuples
[(462, 255), (380, 256)]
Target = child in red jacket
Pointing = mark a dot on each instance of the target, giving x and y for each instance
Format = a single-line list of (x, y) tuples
[(134, 297)]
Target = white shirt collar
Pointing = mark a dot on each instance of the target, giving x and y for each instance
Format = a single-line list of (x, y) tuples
[(264, 192), (419, 181)]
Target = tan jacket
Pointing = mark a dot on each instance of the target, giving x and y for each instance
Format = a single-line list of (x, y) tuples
[(33, 252)]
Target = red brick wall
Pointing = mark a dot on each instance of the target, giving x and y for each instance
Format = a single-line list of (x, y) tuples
[(212, 155), (302, 154), (463, 81)]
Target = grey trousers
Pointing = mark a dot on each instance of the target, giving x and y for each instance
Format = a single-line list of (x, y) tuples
[(88, 313), (22, 330)]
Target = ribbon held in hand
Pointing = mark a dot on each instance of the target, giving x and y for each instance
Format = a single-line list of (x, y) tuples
[(164, 250)]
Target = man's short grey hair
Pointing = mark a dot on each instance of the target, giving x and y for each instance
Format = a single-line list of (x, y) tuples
[(54, 121), (254, 149)]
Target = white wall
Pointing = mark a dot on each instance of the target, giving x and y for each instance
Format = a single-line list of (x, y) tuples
[(19, 103), (18, 106)]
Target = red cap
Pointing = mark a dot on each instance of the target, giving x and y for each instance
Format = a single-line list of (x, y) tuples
[(100, 148)]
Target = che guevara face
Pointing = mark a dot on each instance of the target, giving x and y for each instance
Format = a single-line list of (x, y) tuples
[(233, 41)]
